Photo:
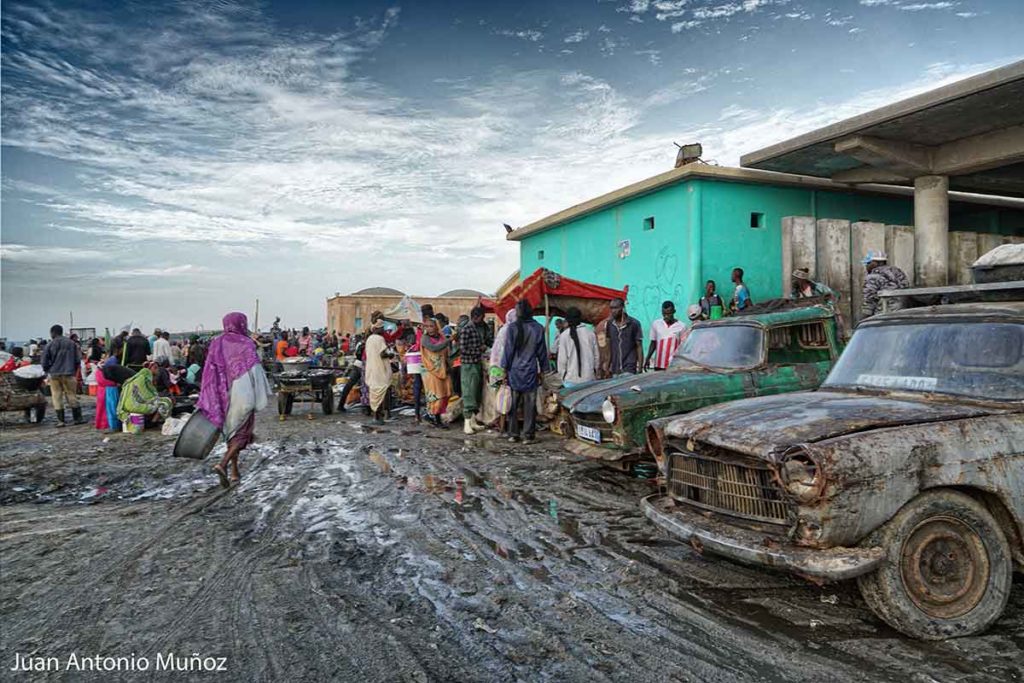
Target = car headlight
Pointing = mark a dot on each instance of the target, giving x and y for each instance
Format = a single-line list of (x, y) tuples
[(801, 476), (608, 411)]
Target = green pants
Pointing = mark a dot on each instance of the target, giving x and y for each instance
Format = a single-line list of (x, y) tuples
[(472, 379)]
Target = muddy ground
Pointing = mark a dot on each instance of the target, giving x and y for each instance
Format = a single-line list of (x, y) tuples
[(350, 552)]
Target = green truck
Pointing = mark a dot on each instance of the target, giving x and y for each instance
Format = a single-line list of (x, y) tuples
[(780, 346)]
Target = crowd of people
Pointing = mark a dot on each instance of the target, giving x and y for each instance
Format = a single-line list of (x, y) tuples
[(442, 369), (131, 375)]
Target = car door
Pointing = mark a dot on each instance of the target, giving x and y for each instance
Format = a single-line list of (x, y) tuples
[(799, 358)]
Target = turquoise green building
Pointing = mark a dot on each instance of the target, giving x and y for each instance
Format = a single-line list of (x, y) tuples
[(666, 235)]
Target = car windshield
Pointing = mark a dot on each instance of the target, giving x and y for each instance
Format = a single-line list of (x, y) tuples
[(726, 347), (979, 360)]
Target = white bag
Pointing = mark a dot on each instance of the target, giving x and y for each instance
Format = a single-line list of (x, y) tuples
[(173, 425)]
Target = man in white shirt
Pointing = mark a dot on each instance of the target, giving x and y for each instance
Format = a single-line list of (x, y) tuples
[(665, 335), (162, 347)]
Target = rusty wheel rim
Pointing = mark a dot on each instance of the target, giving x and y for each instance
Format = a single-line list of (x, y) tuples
[(944, 567)]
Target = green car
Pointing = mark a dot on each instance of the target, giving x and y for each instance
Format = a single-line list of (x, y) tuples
[(791, 347)]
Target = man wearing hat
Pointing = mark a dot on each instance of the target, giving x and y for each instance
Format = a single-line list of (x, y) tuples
[(880, 276), (805, 288)]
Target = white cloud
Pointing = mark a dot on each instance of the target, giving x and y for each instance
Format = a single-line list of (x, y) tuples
[(653, 56), (911, 5), (918, 6), (186, 269), (39, 255), (530, 35), (577, 36)]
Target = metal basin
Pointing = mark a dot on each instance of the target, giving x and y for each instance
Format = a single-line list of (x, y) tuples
[(197, 439)]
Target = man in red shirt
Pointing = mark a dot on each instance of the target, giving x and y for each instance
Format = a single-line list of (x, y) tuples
[(665, 335)]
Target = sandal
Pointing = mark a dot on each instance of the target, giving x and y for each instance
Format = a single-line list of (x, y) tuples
[(222, 475)]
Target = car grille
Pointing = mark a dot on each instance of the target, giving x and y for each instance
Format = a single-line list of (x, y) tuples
[(595, 421), (738, 486)]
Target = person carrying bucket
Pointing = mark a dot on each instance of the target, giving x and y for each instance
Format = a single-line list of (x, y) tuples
[(711, 305), (233, 389)]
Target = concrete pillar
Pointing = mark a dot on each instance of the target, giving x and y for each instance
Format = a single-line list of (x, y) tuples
[(931, 230), (963, 251), (799, 248), (833, 240), (864, 237), (899, 245)]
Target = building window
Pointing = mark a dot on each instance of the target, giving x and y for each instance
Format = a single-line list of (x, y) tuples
[(359, 324), (540, 255), (649, 223), (756, 219)]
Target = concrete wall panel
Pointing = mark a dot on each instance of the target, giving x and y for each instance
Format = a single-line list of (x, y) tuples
[(864, 237), (963, 251), (833, 241), (799, 247), (988, 241), (899, 245)]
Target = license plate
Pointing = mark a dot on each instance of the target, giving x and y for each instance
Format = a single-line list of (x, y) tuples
[(588, 433)]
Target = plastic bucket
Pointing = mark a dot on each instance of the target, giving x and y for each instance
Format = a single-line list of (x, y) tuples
[(134, 424), (716, 312), (413, 363), (197, 437)]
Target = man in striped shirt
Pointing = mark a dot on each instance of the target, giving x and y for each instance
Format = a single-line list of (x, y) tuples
[(665, 334)]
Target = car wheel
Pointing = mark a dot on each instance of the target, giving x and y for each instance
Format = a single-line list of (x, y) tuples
[(948, 569)]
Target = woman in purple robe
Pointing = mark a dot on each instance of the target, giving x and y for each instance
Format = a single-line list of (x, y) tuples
[(233, 390)]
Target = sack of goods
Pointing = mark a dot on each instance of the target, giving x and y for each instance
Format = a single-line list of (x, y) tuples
[(503, 401), (30, 372)]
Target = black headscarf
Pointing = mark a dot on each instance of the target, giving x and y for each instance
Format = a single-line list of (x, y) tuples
[(573, 318), (524, 312)]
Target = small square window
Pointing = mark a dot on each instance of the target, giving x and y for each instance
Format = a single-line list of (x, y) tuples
[(649, 223), (540, 255), (756, 219)]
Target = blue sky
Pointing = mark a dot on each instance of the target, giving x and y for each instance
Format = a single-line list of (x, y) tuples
[(166, 162)]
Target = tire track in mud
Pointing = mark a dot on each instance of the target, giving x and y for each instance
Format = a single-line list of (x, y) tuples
[(670, 621)]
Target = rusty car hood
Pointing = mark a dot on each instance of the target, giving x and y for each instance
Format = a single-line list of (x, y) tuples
[(765, 425)]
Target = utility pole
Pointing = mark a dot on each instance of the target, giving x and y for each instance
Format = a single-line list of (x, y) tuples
[(256, 320)]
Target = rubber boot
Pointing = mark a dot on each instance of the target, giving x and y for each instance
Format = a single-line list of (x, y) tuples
[(77, 414), (60, 417), (476, 426), (467, 426)]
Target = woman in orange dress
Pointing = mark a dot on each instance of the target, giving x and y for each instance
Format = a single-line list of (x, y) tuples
[(437, 383)]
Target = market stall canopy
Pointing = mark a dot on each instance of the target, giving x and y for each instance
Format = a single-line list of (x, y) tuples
[(406, 309), (971, 131), (557, 293)]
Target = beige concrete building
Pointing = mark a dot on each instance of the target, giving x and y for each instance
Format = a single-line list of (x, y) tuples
[(351, 313)]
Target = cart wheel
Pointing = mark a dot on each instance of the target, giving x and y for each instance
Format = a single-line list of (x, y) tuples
[(327, 403)]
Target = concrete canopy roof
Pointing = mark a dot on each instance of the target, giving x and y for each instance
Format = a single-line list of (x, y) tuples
[(971, 131)]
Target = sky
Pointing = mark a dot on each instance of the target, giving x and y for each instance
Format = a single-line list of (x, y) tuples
[(164, 163)]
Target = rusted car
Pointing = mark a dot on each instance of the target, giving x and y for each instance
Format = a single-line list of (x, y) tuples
[(905, 470), (791, 349)]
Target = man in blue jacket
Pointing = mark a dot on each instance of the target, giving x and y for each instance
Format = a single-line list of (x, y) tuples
[(60, 361), (524, 361)]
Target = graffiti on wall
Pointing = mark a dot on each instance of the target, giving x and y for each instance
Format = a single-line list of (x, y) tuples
[(666, 283)]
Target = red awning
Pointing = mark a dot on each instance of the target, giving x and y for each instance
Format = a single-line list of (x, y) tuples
[(562, 293)]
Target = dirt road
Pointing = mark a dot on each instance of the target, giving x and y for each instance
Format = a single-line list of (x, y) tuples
[(355, 553)]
